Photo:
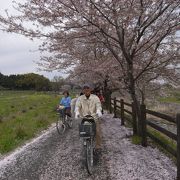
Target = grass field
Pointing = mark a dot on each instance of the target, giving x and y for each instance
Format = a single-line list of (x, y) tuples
[(174, 97), (22, 115)]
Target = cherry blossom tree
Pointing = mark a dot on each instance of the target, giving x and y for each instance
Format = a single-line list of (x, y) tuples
[(141, 37)]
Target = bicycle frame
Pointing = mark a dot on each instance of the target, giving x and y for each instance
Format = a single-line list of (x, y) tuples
[(63, 122), (87, 132)]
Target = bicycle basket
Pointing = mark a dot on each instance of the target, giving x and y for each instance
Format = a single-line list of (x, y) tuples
[(87, 129), (61, 107)]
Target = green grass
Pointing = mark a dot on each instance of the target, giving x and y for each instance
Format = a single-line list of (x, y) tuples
[(23, 115), (170, 99), (163, 138), (136, 140), (174, 97)]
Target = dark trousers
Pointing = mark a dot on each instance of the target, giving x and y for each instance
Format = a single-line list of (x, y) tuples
[(65, 111)]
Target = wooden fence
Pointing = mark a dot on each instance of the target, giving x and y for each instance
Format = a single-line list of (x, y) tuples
[(140, 127)]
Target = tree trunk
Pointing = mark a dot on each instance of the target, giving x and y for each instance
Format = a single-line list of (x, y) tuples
[(132, 90), (107, 93)]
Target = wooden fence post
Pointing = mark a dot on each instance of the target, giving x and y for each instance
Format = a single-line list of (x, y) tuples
[(134, 120), (107, 96), (115, 115), (178, 145), (143, 125), (122, 112), (139, 123), (110, 107)]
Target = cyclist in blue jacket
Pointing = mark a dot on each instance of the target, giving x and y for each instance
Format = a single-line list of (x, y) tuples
[(65, 104)]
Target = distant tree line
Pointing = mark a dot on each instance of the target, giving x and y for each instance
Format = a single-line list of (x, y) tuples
[(30, 81)]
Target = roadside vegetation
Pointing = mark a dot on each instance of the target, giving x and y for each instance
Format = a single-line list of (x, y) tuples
[(174, 97), (23, 114), (169, 103)]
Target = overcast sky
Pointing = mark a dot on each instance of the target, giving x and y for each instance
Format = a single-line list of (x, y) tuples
[(17, 53)]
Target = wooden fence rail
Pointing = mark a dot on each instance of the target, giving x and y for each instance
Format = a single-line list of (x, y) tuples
[(160, 115), (140, 126)]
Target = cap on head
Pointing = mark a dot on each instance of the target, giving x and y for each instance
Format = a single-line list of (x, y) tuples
[(87, 86)]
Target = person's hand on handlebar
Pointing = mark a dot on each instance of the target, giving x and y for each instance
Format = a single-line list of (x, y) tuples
[(99, 113), (77, 115)]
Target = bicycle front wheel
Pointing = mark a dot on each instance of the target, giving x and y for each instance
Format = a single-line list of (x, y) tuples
[(60, 126), (89, 157)]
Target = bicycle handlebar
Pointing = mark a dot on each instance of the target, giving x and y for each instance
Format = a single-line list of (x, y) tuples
[(87, 118)]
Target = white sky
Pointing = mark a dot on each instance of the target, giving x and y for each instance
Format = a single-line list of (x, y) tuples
[(18, 54)]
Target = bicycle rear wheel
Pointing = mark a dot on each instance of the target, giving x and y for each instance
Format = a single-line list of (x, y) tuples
[(89, 156), (60, 125), (69, 121)]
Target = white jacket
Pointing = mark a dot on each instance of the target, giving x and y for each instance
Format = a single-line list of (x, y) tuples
[(88, 106)]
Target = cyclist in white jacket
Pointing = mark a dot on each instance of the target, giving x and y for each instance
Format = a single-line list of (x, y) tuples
[(89, 104)]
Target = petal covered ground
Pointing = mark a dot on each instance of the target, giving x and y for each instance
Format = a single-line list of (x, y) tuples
[(54, 157)]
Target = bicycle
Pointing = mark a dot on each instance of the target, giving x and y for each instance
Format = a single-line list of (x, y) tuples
[(87, 130), (64, 121)]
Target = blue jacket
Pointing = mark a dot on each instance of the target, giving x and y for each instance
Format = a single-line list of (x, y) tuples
[(66, 101)]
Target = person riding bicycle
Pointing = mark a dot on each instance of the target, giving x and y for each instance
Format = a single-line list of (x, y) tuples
[(101, 98), (89, 104), (73, 104), (65, 104)]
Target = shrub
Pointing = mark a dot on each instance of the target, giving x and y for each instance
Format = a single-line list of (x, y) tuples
[(23, 110)]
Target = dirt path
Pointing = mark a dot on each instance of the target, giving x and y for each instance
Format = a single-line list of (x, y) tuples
[(126, 161), (54, 157)]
